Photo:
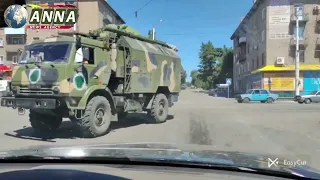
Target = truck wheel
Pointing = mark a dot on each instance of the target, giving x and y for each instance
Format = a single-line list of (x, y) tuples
[(160, 108), (44, 124), (97, 118)]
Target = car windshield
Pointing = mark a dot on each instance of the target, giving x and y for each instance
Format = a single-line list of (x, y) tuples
[(46, 52), (249, 91), (313, 92)]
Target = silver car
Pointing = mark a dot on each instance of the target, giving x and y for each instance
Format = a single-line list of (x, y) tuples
[(314, 97)]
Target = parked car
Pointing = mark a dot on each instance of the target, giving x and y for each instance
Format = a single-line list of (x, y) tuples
[(5, 78), (314, 97), (261, 95), (212, 92)]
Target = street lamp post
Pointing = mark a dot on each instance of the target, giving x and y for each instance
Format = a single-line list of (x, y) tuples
[(154, 31), (297, 63)]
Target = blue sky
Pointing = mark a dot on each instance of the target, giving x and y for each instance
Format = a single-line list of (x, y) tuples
[(186, 23)]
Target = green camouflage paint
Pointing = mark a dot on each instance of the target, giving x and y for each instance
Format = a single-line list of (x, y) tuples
[(153, 66)]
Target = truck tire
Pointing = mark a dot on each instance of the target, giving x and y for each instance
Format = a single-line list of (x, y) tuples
[(160, 108), (44, 124), (96, 119)]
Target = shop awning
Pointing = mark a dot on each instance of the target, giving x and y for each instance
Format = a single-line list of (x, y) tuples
[(303, 67)]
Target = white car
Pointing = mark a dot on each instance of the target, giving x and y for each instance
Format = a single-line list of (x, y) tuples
[(3, 85)]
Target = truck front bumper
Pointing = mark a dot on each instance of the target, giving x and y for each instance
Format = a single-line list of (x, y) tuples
[(29, 103)]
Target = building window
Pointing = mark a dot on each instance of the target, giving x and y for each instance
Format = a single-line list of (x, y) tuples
[(88, 53), (36, 38), (1, 59), (300, 33), (15, 40), (263, 59), (1, 42), (15, 59), (301, 56), (263, 35), (258, 62), (252, 64), (35, 2), (263, 14)]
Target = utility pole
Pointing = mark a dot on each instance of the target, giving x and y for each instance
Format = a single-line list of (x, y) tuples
[(297, 64), (154, 30)]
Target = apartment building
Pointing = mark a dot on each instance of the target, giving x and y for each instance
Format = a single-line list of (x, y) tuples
[(265, 47), (10, 41), (93, 14)]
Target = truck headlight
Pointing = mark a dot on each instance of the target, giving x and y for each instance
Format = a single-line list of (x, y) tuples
[(13, 88), (56, 90)]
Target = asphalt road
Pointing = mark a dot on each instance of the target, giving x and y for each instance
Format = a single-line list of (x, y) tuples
[(284, 128)]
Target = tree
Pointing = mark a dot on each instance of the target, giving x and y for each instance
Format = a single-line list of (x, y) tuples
[(183, 76), (227, 65), (210, 64), (195, 80)]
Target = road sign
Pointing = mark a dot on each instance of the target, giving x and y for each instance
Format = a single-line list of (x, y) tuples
[(229, 81)]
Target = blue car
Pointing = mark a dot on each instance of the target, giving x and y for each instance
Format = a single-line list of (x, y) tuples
[(261, 95)]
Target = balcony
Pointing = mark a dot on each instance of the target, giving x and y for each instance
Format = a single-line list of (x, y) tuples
[(13, 47), (318, 44), (317, 49), (302, 42), (242, 41), (12, 31), (318, 19), (241, 57), (14, 42), (302, 19)]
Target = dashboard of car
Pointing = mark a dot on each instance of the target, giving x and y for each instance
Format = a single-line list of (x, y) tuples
[(32, 171)]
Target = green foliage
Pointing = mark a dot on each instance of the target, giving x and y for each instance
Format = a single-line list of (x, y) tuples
[(227, 65), (216, 64), (183, 76)]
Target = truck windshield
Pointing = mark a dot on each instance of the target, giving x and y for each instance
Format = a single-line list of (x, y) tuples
[(46, 52)]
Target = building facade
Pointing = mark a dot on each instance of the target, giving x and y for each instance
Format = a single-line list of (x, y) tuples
[(265, 47), (13, 39)]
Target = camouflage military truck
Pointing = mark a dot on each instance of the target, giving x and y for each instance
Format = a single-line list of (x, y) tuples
[(94, 79)]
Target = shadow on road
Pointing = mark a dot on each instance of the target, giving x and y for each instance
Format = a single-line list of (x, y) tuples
[(68, 131)]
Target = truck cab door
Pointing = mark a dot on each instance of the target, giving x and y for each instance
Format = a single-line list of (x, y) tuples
[(84, 68)]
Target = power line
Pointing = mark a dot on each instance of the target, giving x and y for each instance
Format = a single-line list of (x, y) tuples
[(146, 4)]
